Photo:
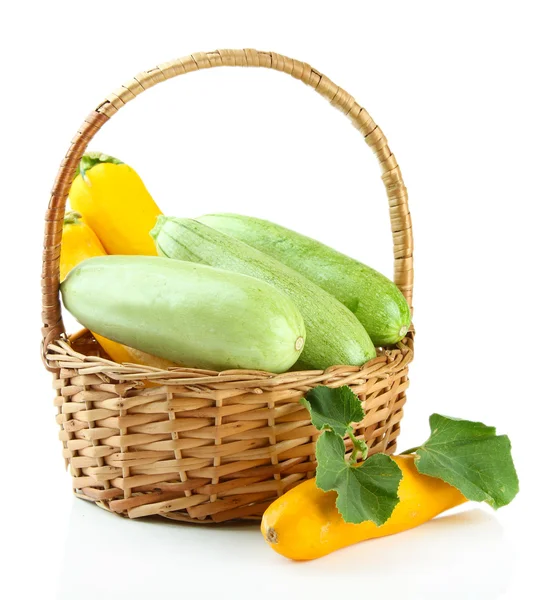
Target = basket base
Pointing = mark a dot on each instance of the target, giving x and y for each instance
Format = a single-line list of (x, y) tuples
[(202, 447)]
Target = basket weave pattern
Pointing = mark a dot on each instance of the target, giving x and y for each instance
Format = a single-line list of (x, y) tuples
[(192, 444)]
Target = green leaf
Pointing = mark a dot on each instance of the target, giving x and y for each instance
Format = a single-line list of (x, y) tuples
[(333, 408), (364, 493), (470, 457)]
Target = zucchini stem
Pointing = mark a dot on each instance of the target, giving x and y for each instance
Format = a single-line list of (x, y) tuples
[(271, 536), (72, 217), (91, 159)]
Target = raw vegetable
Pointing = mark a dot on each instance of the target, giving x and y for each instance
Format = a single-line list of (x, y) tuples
[(305, 523), (79, 242), (334, 335), (125, 354), (462, 460), (372, 297), (115, 203), (191, 314)]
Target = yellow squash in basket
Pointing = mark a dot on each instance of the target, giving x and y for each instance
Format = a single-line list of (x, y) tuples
[(80, 242), (115, 203), (305, 524)]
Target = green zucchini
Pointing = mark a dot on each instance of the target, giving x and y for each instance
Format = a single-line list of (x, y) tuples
[(372, 297), (334, 334), (193, 315)]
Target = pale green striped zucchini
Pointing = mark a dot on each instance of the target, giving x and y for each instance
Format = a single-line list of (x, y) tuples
[(191, 314)]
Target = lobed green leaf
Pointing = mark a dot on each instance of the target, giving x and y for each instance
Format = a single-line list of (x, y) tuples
[(471, 457), (333, 408)]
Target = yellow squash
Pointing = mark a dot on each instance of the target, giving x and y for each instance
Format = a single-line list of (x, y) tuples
[(305, 524), (124, 354), (78, 243), (115, 203)]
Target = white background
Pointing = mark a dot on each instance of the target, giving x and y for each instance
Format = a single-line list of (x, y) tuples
[(464, 92)]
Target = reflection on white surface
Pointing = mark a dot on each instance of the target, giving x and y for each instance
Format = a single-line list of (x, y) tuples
[(458, 556)]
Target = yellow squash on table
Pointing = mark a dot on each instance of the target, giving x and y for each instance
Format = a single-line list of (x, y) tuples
[(305, 524), (80, 242), (115, 203)]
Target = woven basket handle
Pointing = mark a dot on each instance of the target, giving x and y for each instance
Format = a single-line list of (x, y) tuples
[(401, 225)]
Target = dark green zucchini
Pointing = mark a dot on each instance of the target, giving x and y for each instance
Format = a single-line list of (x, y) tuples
[(372, 297)]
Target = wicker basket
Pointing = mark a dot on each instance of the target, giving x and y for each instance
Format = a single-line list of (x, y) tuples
[(196, 445)]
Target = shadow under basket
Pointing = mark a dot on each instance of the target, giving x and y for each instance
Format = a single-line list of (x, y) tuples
[(197, 445)]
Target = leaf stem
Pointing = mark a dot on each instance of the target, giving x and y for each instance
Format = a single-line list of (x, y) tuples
[(359, 446)]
